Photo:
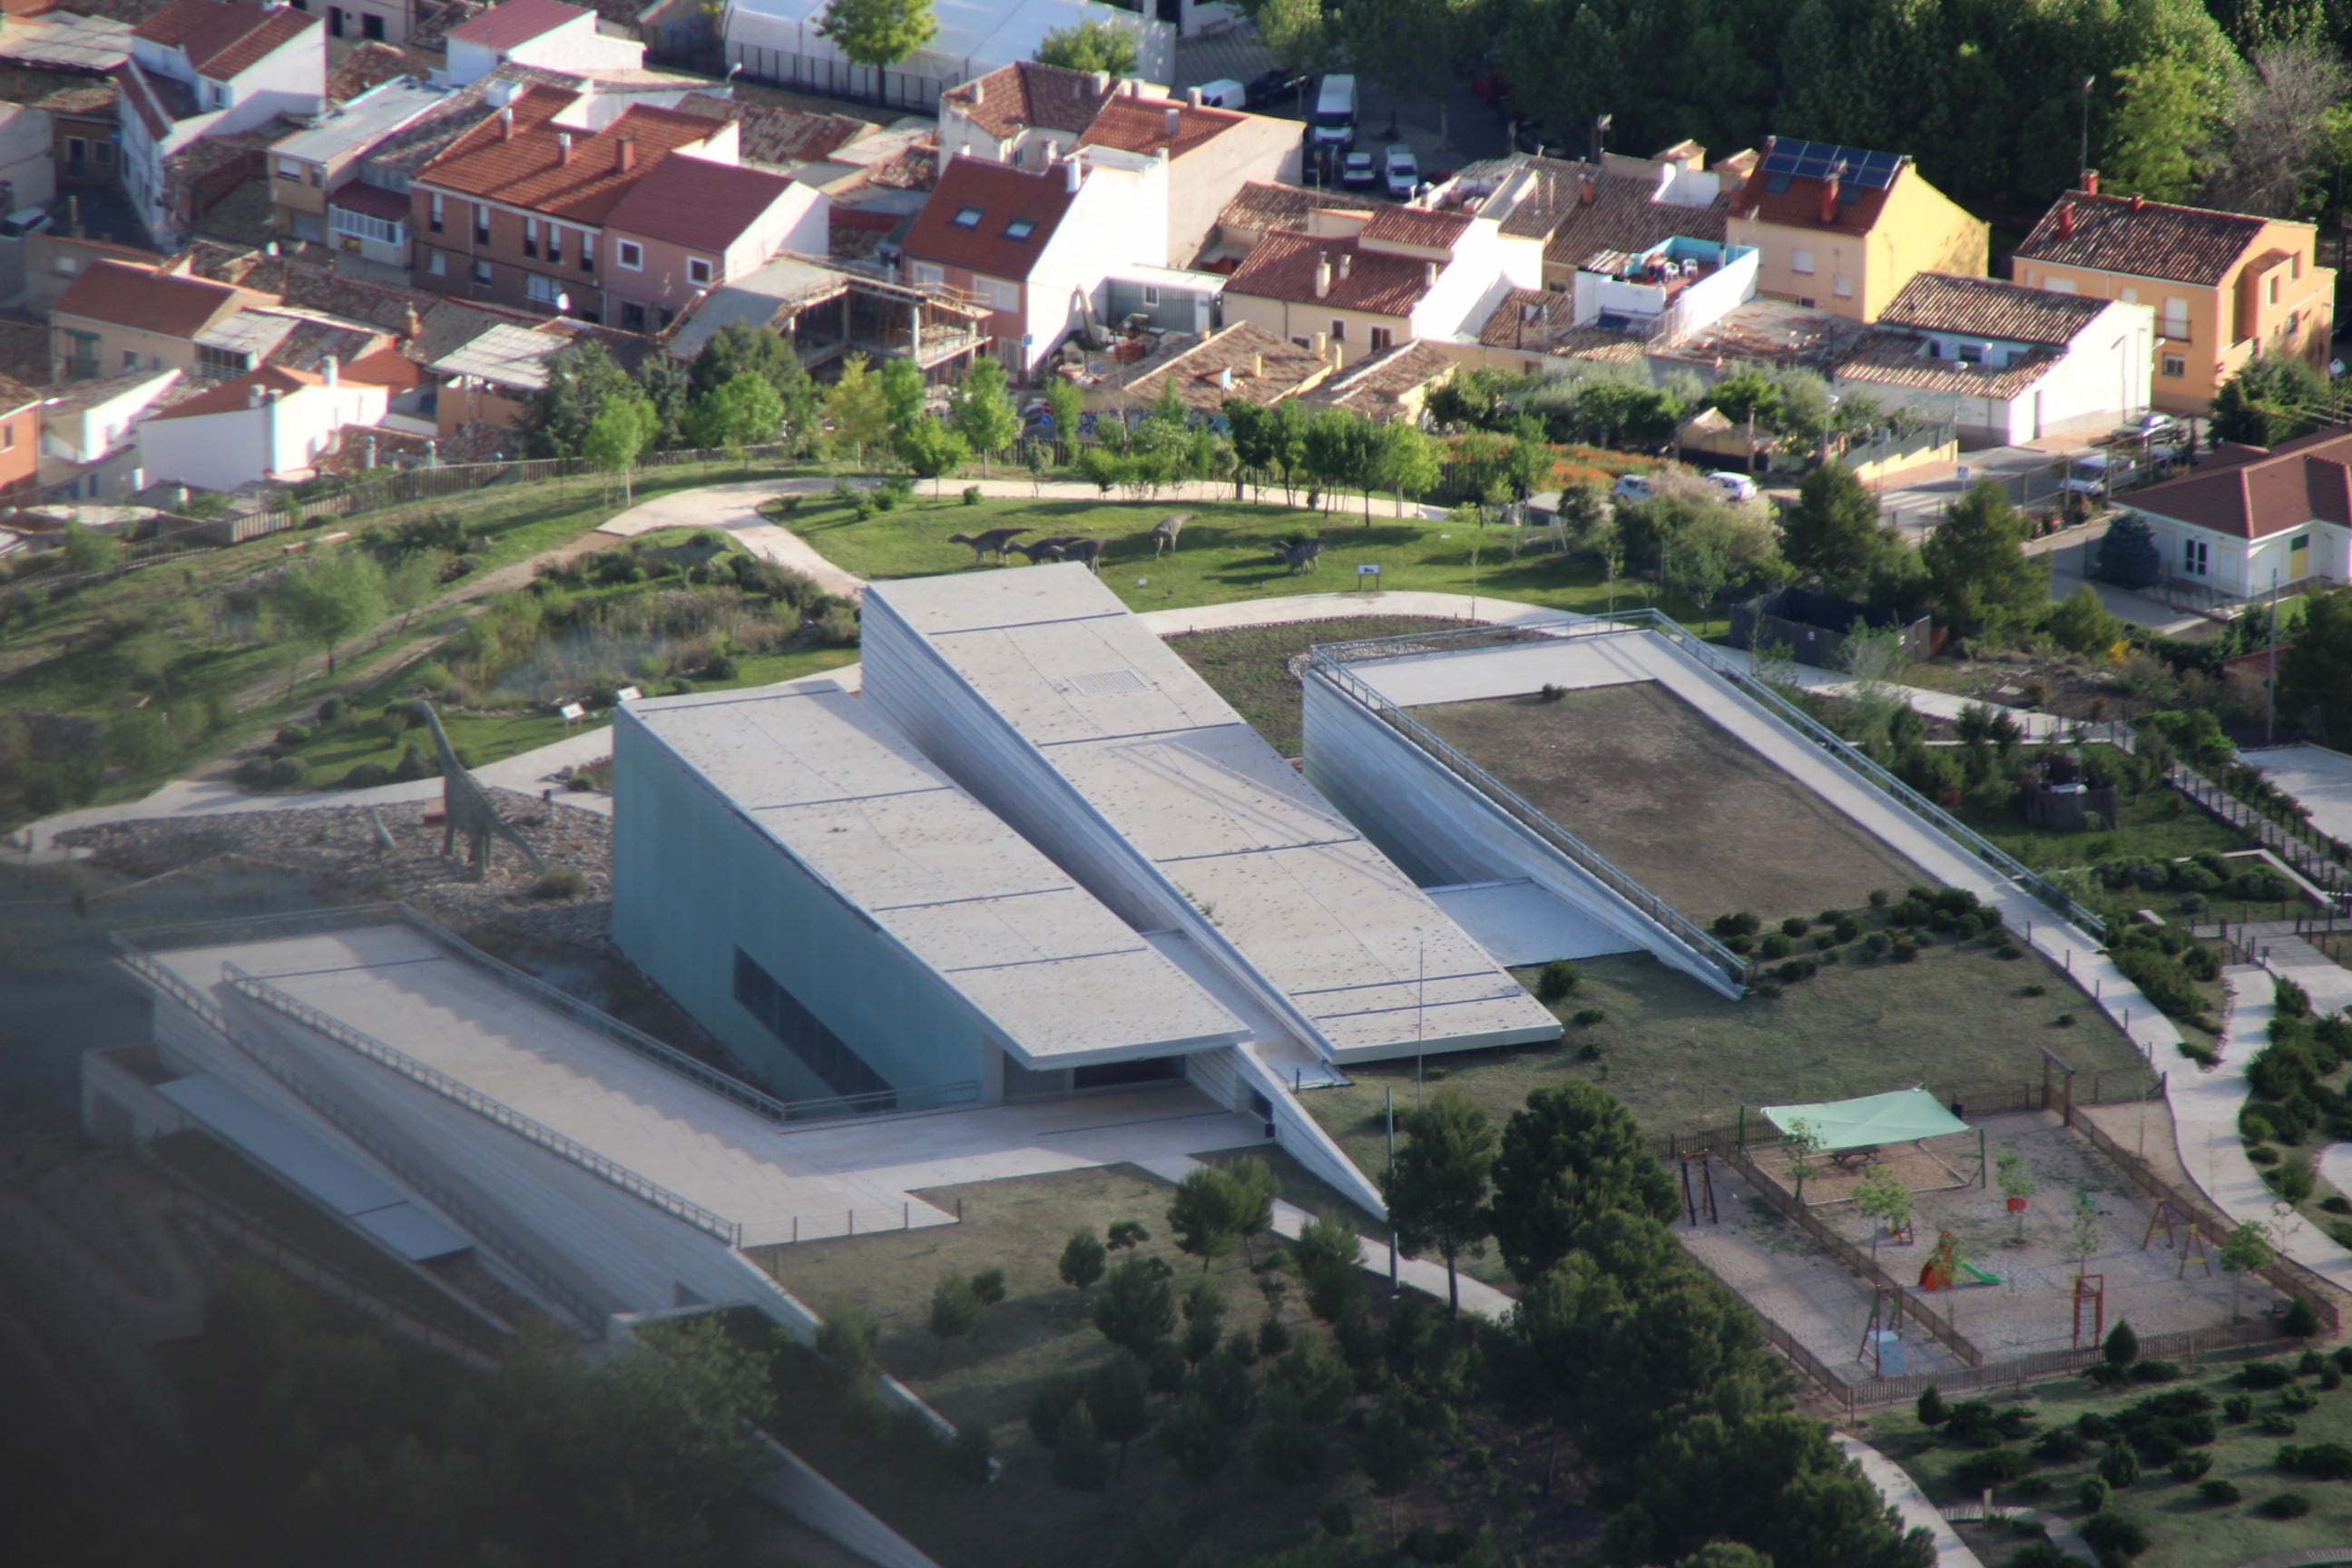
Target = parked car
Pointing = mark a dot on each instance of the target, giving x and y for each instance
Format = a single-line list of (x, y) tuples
[(1271, 87), (1631, 488), (1735, 486), (1225, 93), (2151, 427), (1403, 174), (1357, 169), (2098, 474), (25, 221)]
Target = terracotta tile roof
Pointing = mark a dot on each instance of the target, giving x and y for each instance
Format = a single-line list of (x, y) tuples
[(1003, 198), (2249, 493), (1258, 207), (230, 395), (1621, 216), (1989, 307), (1798, 204), (428, 136), (529, 170), (1142, 125), (220, 40), (2182, 245), (1381, 386), (1026, 95), (502, 27), (1416, 227), (385, 367), (16, 396), (143, 300), (1543, 321), (369, 65), (305, 347), (696, 203), (1896, 359), (782, 137), (1283, 268), (1242, 360)]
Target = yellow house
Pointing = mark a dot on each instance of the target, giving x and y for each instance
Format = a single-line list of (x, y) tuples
[(2224, 286), (1842, 229)]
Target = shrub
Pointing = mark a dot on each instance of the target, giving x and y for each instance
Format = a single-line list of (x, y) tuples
[(1796, 969), (2008, 950), (2219, 1491), (1337, 1522), (2301, 1319), (2265, 1375), (971, 495), (2192, 1466), (2275, 1426), (289, 772), (1933, 1411), (2262, 1154), (1877, 898), (366, 776), (1904, 952), (2063, 1021), (563, 882), (1738, 923), (2238, 1407), (331, 710), (1875, 944), (2335, 1202), (2154, 1372), (2119, 1466), (1795, 925), (1557, 979), (1993, 1467), (2280, 1505), (293, 734), (2320, 1461), (2112, 1535), (2060, 1445), (1847, 928), (1587, 1016), (2093, 1493), (2295, 1398)]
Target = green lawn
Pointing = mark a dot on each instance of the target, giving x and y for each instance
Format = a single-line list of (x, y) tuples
[(1250, 665), (2185, 1531), (1226, 553)]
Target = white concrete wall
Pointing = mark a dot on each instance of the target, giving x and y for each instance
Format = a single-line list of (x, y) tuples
[(28, 155), (1486, 262), (221, 451), (800, 220), (1120, 215), (1206, 179), (87, 434), (577, 46)]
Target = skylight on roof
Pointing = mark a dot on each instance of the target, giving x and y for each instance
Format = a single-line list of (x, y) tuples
[(968, 218), (1020, 228)]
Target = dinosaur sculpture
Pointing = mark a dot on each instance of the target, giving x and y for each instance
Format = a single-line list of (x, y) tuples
[(1303, 555), (1089, 552), (992, 542), (1046, 549), (466, 807), (1164, 532)]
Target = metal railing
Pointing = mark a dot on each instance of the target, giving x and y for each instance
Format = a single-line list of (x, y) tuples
[(482, 1105), (1327, 660)]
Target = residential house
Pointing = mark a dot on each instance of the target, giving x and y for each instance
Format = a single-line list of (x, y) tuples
[(2246, 519), (1242, 360), (1356, 286), (1619, 205), (544, 33), (29, 153), (201, 68), (116, 318), (271, 424), (1842, 229), (20, 438), (388, 22), (2003, 363), (89, 448), (2224, 286), (55, 257), (64, 64), (308, 168), (781, 140), (492, 380), (675, 234), (514, 212), (1390, 388), (829, 312), (778, 40), (1260, 209), (1028, 113), (1035, 246)]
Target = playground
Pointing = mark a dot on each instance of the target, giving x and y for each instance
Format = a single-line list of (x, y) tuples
[(2013, 1271)]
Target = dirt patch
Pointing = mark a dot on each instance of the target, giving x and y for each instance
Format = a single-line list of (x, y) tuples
[(1684, 807)]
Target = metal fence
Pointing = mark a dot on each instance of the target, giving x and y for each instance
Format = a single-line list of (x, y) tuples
[(794, 72), (2315, 854)]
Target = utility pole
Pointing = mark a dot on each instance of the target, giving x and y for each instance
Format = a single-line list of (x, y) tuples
[(2083, 164), (1420, 997), (2269, 689), (1388, 1103)]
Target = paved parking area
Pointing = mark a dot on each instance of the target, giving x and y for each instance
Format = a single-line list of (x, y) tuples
[(2320, 778)]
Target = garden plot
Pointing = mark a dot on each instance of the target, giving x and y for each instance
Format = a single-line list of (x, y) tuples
[(1792, 1280), (1676, 801)]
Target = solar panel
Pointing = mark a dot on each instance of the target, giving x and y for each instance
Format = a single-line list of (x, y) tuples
[(1858, 168)]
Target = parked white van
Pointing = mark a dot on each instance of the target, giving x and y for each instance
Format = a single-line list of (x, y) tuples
[(1335, 112)]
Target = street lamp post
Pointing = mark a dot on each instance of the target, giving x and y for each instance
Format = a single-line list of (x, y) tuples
[(2083, 164)]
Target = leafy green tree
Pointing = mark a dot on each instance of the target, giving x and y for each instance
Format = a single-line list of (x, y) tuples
[(1083, 1261), (850, 1342), (1977, 566), (1394, 1453), (1080, 1460), (879, 32), (2315, 679), (2129, 555), (88, 550), (1932, 1409), (2122, 1346), (329, 598), (617, 437), (738, 346), (1296, 32), (2164, 109), (1206, 1214), (2080, 624), (1194, 1439), (1883, 1196), (858, 408), (1337, 448), (581, 379), (1318, 1379), (1436, 1189), (1289, 1448), (743, 411), (1067, 407), (984, 411), (1256, 1188), (1125, 1233), (1090, 46), (1725, 1554), (902, 392), (2248, 1249), (929, 449), (667, 385), (1573, 1156), (2270, 399), (1204, 1321), (1136, 1309), (1119, 1396), (1329, 1253), (1832, 534), (956, 1310)]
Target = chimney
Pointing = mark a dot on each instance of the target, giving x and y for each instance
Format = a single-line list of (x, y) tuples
[(1584, 191), (412, 326), (506, 125), (1322, 344), (1175, 119), (1193, 96), (331, 369), (2138, 201), (1226, 379), (1071, 173), (1257, 367), (1429, 273), (625, 152), (1830, 194), (1322, 276), (564, 147), (2066, 219), (1347, 262), (1134, 86), (978, 91), (371, 451), (1102, 83), (253, 395), (2090, 182)]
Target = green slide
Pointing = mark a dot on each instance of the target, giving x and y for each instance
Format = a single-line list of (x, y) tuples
[(1977, 1274)]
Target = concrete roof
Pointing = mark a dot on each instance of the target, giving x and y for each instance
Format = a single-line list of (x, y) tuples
[(1303, 900), (363, 121), (1058, 977), (506, 355)]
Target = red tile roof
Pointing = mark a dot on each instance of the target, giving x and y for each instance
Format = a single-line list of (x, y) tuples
[(2144, 240), (385, 367), (1283, 268), (2249, 493), (1798, 204), (220, 40), (503, 27), (144, 300), (696, 203), (529, 169), (230, 395), (1989, 307), (1002, 195), (1259, 205), (1141, 125), (780, 136), (369, 65), (1026, 95), (1416, 227)]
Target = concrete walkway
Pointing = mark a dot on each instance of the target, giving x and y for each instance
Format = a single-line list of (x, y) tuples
[(1903, 1494), (1477, 1297), (2063, 1535), (2320, 778), (2283, 952)]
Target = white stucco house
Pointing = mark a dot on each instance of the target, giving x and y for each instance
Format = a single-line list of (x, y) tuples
[(2004, 362), (271, 422), (548, 34), (201, 68), (2247, 516)]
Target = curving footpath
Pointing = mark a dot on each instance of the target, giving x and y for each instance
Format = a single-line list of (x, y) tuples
[(1904, 1495)]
